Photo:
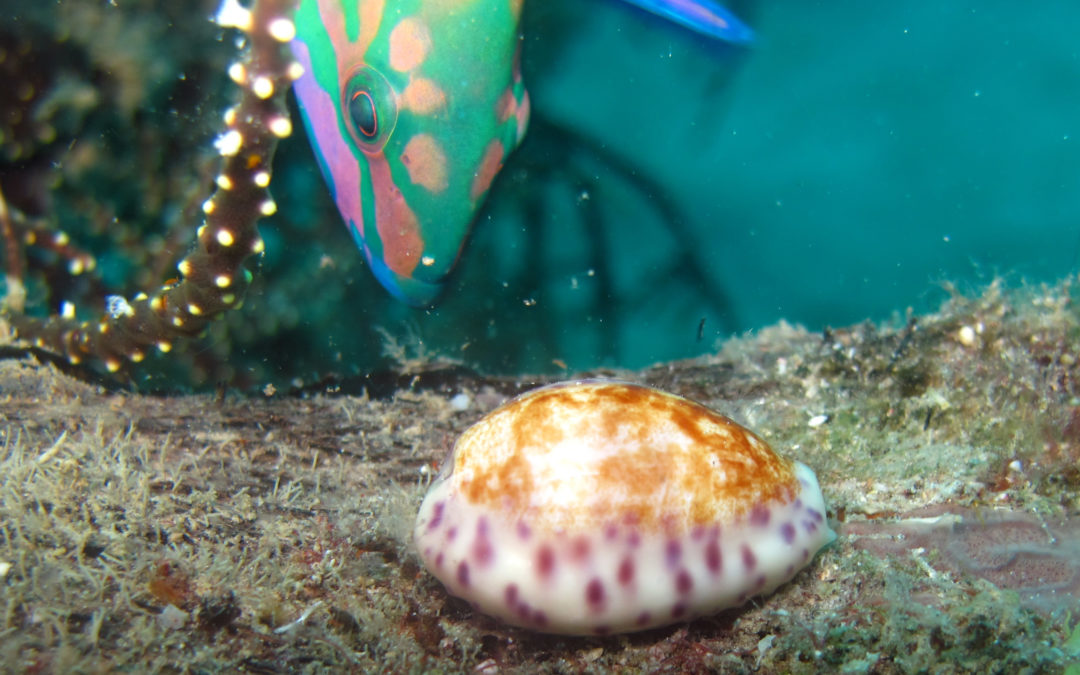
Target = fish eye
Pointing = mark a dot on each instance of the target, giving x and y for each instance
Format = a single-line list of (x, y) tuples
[(370, 108), (363, 114)]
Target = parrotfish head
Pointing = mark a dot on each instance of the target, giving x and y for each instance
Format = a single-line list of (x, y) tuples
[(411, 107)]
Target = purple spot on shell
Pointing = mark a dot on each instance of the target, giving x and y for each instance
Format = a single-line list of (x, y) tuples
[(742, 598), (611, 532), (698, 532), (678, 610), (594, 594), (760, 515), (540, 619), (626, 571), (436, 516), (789, 571), (451, 534), (684, 583), (463, 574), (482, 547), (483, 553), (810, 526), (545, 562), (438, 561), (805, 554), (798, 503), (672, 553), (713, 561), (510, 595), (748, 558), (634, 539), (787, 531), (602, 630), (643, 619), (523, 530), (815, 514), (760, 583), (580, 549)]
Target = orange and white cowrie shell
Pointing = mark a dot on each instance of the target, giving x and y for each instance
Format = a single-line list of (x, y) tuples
[(598, 507)]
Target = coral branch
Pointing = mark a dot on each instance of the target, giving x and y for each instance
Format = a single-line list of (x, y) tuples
[(213, 275)]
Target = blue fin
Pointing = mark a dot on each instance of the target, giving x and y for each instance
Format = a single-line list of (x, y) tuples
[(703, 16)]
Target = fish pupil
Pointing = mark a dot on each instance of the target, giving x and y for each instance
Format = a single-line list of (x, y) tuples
[(364, 116)]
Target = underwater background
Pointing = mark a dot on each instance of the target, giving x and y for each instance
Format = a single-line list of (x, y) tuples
[(857, 161), (843, 167), (852, 163), (856, 165)]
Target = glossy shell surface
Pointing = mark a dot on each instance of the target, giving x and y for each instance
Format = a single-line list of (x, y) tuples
[(598, 507)]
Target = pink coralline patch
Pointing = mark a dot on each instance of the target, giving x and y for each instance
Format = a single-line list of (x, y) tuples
[(1014, 550)]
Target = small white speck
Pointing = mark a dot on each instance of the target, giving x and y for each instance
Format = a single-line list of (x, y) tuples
[(282, 30), (172, 618), (966, 336), (263, 87), (116, 306), (228, 144), (237, 73), (281, 126), (460, 402), (233, 15), (817, 420)]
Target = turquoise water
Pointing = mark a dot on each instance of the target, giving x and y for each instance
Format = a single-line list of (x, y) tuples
[(854, 159), (673, 191), (846, 167)]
